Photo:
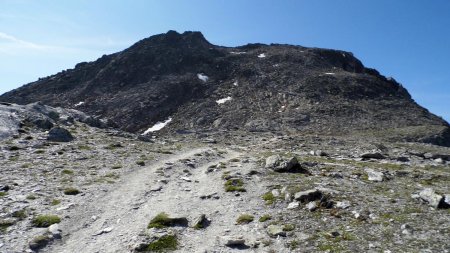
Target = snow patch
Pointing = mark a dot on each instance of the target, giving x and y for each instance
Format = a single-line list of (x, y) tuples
[(238, 52), (236, 83), (78, 104), (223, 100), (262, 55), (158, 126), (202, 77), (330, 73)]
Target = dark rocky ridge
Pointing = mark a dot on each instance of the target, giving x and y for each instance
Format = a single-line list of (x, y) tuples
[(292, 89)]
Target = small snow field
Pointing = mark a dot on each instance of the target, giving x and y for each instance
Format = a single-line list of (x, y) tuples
[(158, 126), (203, 77), (223, 100), (236, 83), (78, 104), (330, 74), (262, 55)]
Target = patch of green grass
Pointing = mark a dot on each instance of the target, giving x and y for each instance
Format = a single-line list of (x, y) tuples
[(55, 202), (113, 146), (31, 197), (245, 219), (3, 194), (26, 166), (269, 198), (294, 244), (116, 167), (288, 227), (43, 221), (84, 147), (4, 224), (71, 191), (265, 217), (161, 220), (20, 214), (112, 175), (67, 172), (234, 185), (163, 244)]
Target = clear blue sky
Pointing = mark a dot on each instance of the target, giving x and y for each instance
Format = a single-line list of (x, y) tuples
[(406, 39)]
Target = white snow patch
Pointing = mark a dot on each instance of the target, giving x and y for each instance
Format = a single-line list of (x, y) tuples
[(236, 83), (158, 126), (330, 73), (203, 77), (223, 100), (238, 52), (79, 103), (262, 55), (343, 54)]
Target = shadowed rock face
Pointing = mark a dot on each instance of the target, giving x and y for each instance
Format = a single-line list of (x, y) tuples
[(268, 88)]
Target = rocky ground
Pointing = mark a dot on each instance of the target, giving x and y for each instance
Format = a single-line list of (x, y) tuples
[(108, 191)]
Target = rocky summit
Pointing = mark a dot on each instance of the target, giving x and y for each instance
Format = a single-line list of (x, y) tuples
[(256, 87), (178, 145)]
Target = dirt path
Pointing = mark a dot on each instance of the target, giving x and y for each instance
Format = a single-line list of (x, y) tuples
[(123, 213)]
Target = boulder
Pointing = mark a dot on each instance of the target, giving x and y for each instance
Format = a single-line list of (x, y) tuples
[(278, 164), (375, 176), (308, 196), (433, 199), (275, 231), (59, 134), (201, 222)]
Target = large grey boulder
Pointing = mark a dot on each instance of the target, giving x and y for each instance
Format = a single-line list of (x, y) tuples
[(279, 164), (59, 134), (433, 199)]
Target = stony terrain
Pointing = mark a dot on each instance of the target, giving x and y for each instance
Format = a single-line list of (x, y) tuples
[(256, 87), (258, 192)]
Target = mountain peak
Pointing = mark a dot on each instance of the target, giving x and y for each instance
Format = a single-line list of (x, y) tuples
[(266, 88)]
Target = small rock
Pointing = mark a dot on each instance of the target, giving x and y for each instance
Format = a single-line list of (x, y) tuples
[(55, 231), (276, 193), (4, 188), (234, 241), (375, 175), (403, 159), (59, 134), (40, 242), (186, 179), (343, 204), (311, 206), (293, 205), (103, 231), (275, 230), (309, 195), (201, 222), (156, 188), (288, 197), (372, 156), (65, 207)]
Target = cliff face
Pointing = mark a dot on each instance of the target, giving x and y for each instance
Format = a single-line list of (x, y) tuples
[(251, 88)]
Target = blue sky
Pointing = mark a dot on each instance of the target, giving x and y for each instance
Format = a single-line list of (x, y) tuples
[(406, 39)]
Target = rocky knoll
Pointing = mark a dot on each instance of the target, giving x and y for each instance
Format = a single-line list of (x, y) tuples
[(256, 87)]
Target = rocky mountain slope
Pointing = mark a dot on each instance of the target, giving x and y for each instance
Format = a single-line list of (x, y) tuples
[(89, 189), (256, 87)]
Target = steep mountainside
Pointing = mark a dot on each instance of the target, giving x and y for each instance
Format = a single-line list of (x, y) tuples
[(256, 87)]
